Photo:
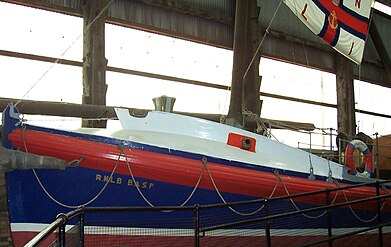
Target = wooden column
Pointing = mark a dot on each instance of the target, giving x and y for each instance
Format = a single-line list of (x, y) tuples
[(234, 117), (94, 61), (252, 80), (345, 96), (5, 229), (244, 91)]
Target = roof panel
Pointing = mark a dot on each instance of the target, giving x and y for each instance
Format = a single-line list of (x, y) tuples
[(211, 22), (171, 22), (383, 25), (285, 21), (205, 21)]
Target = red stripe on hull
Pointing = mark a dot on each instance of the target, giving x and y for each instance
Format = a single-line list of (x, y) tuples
[(22, 238), (179, 170), (362, 240), (94, 240)]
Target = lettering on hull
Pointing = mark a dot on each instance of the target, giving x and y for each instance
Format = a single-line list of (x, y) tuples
[(121, 181)]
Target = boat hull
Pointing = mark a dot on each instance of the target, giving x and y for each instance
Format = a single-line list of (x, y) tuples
[(118, 172)]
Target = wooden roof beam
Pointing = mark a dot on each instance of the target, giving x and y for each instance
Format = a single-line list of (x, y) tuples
[(187, 9), (47, 108)]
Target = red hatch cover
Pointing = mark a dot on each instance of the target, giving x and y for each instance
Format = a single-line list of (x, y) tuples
[(241, 141)]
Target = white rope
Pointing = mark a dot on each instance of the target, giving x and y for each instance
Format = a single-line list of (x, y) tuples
[(107, 182), (75, 162), (204, 161), (263, 38), (62, 55), (145, 198), (57, 201), (305, 53), (295, 205), (260, 123), (354, 213)]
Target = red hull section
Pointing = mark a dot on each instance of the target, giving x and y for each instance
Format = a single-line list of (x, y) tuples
[(93, 240), (21, 238)]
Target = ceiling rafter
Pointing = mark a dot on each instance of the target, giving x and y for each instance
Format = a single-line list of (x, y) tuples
[(386, 2), (278, 43), (187, 9), (47, 6)]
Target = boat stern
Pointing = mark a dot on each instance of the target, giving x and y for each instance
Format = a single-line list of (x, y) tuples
[(11, 120)]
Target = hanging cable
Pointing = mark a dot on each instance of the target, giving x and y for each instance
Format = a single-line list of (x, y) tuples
[(263, 38), (142, 194), (352, 210), (63, 54), (204, 161), (72, 162), (295, 205)]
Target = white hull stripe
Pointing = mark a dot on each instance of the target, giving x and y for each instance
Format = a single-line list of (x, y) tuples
[(126, 231)]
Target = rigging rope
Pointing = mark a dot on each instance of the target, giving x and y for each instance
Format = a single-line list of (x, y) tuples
[(354, 213), (295, 205), (263, 38), (77, 161), (142, 194), (63, 54), (54, 199), (204, 161)]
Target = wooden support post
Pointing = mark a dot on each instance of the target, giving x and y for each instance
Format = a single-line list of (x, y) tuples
[(251, 83), (244, 90), (251, 79), (345, 96), (5, 228), (94, 61), (234, 117)]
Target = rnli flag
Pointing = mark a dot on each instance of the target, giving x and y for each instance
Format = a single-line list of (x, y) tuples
[(343, 24)]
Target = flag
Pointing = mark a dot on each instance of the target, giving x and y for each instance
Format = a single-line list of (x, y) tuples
[(343, 24)]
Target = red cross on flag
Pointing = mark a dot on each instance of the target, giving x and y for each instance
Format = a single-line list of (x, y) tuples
[(343, 24)]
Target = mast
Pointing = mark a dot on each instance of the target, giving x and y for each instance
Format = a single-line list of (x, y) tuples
[(244, 90)]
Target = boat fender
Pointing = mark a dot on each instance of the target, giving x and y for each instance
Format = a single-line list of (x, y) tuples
[(360, 145)]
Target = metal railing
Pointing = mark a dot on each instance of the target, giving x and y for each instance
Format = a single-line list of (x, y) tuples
[(268, 218)]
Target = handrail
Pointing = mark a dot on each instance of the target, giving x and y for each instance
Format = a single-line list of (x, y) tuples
[(138, 208), (232, 204), (61, 220), (339, 236), (46, 232), (295, 195), (292, 213)]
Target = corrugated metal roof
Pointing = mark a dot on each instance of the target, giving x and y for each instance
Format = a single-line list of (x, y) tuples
[(384, 26), (178, 23), (211, 22), (206, 21), (285, 21), (226, 7), (74, 4)]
